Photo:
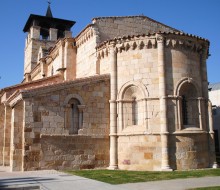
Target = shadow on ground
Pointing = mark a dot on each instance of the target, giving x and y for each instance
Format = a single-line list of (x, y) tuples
[(27, 183)]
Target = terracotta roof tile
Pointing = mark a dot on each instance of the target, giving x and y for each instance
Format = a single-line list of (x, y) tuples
[(62, 84)]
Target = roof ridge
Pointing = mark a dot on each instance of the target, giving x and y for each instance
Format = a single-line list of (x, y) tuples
[(134, 16), (129, 16)]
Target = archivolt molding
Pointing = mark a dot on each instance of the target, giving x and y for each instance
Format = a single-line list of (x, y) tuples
[(70, 96), (140, 85), (184, 81)]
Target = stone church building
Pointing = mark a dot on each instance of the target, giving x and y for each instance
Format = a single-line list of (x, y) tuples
[(126, 93)]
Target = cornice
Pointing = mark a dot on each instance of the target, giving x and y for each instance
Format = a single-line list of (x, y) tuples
[(64, 84), (186, 43), (85, 35), (14, 99), (82, 32), (31, 84), (150, 40)]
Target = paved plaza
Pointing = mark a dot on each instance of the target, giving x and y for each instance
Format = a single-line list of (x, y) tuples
[(54, 180)]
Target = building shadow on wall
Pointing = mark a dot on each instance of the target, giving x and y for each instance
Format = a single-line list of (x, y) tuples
[(173, 149), (216, 126)]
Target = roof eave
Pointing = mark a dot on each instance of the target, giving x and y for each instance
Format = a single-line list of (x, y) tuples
[(70, 23)]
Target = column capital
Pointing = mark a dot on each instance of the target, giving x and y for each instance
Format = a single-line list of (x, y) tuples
[(81, 107), (112, 44), (112, 101), (69, 43), (112, 47), (160, 38)]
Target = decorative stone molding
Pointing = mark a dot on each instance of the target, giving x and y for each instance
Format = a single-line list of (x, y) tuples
[(76, 96), (149, 41), (62, 85), (186, 80), (122, 45), (85, 35), (17, 97), (81, 108), (160, 38), (140, 85), (186, 44)]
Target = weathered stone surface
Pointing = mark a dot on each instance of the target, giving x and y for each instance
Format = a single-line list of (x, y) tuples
[(73, 152), (141, 90)]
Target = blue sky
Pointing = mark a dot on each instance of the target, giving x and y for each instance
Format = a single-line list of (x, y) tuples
[(198, 17)]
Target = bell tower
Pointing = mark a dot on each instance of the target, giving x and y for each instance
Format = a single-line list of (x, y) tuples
[(42, 33)]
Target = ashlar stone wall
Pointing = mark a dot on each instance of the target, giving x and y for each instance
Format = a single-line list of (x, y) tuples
[(139, 143), (46, 114), (17, 137), (32, 51), (139, 152), (189, 151), (86, 44), (139, 66), (7, 135), (73, 152), (112, 27), (105, 28)]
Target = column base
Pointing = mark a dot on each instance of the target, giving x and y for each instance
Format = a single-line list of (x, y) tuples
[(215, 165), (113, 167)]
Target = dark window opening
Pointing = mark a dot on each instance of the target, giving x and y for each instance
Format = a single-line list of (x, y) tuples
[(75, 116), (44, 34), (184, 110), (216, 140), (190, 106), (134, 112), (61, 34)]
